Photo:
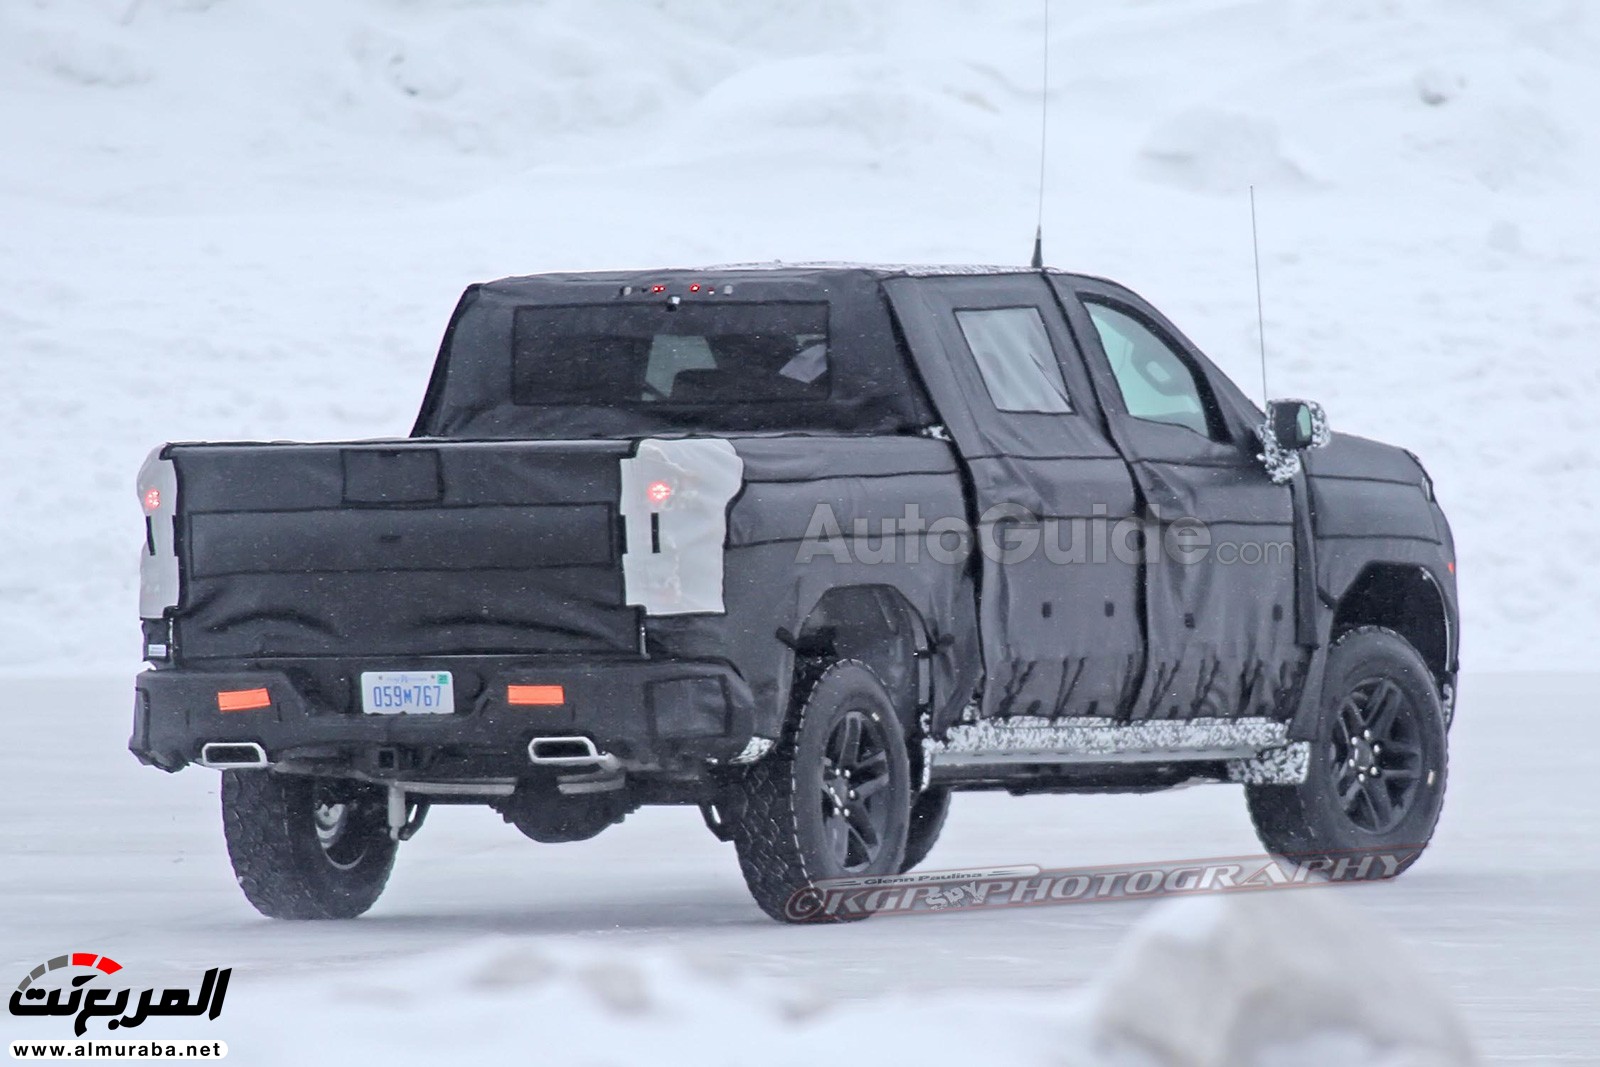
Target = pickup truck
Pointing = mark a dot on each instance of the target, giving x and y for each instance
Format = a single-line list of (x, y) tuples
[(810, 548)]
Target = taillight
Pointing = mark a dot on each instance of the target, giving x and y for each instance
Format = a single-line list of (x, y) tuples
[(159, 579)]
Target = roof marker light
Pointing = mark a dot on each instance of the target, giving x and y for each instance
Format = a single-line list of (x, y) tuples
[(658, 492), (658, 288), (694, 287), (152, 499)]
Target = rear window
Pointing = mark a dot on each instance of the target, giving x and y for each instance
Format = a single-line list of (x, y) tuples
[(657, 354)]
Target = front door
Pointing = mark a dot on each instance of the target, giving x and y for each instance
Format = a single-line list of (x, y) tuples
[(1219, 583), (1058, 604)]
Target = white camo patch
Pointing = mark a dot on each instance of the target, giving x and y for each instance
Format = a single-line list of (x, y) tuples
[(674, 564)]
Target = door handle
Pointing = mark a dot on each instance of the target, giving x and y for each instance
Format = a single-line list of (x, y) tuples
[(1018, 515), (1164, 500)]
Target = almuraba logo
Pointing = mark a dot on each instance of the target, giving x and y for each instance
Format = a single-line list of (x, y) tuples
[(42, 993)]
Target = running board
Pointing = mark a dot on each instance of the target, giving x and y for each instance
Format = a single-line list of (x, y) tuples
[(1256, 751)]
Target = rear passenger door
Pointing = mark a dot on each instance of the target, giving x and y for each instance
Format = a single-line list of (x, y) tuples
[(1058, 604), (1219, 584)]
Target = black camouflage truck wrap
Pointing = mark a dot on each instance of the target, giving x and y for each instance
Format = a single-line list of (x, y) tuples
[(809, 548)]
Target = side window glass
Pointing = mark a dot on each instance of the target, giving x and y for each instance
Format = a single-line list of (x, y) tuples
[(1157, 384), (1015, 358)]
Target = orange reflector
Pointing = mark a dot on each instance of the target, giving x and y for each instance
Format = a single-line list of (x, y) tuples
[(243, 699), (539, 695)]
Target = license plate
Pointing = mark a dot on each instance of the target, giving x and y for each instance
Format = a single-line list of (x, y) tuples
[(407, 693)]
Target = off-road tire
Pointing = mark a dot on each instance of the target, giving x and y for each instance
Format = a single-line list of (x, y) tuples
[(1334, 814), (285, 869), (780, 809), (928, 814)]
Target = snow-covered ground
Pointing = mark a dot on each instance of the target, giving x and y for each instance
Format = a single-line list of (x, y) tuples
[(250, 218), (99, 854)]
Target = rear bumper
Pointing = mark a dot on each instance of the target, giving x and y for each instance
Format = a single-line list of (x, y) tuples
[(666, 714)]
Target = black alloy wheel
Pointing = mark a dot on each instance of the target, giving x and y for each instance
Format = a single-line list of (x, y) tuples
[(1376, 753), (856, 809)]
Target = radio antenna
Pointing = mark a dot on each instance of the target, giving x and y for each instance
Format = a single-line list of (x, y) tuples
[(1261, 317), (1044, 136)]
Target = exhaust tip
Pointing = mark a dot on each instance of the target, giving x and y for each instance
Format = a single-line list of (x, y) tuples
[(233, 755), (574, 751)]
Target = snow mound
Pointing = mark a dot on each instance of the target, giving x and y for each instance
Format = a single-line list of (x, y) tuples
[(1258, 981), (1275, 978)]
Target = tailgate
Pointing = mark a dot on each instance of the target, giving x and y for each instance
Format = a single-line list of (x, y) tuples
[(399, 549)]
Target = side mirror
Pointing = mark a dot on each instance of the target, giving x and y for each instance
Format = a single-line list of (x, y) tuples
[(1292, 426)]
